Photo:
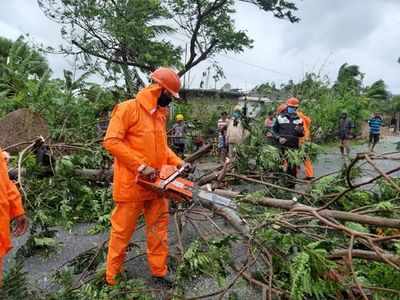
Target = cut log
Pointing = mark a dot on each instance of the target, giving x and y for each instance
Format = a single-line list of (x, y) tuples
[(336, 214), (208, 178), (199, 153)]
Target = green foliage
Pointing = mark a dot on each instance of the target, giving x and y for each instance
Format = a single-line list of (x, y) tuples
[(257, 152), (325, 185), (306, 273), (209, 259), (300, 264), (357, 199), (386, 190), (19, 63), (96, 289), (377, 91), (357, 227), (15, 284), (324, 103), (131, 37), (39, 243), (65, 199), (126, 36), (349, 79), (379, 274)]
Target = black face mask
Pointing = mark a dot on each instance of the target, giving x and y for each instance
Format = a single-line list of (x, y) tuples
[(164, 100)]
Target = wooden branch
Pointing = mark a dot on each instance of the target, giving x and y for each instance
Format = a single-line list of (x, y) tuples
[(335, 214), (207, 200), (267, 184), (226, 193), (364, 254), (107, 58), (387, 178), (208, 178), (199, 153), (95, 174)]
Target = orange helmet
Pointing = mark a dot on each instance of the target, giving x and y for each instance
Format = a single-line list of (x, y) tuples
[(294, 102), (168, 79), (281, 108)]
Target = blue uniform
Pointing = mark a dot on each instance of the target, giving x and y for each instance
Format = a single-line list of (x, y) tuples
[(375, 124)]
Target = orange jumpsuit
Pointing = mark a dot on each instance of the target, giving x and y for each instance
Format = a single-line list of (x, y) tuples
[(137, 135), (10, 208), (308, 167)]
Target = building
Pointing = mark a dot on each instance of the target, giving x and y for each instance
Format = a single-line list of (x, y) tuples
[(254, 104)]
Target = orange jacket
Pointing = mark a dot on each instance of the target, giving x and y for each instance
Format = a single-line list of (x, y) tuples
[(10, 206), (307, 127), (137, 135)]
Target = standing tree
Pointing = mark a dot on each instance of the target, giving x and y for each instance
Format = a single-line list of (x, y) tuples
[(377, 91), (126, 38), (18, 63), (349, 80)]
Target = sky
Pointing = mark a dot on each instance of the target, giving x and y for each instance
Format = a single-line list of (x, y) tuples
[(330, 33)]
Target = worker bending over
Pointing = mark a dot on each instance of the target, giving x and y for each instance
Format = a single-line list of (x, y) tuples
[(136, 138), (11, 208)]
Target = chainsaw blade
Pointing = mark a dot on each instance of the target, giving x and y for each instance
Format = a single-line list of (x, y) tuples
[(214, 198)]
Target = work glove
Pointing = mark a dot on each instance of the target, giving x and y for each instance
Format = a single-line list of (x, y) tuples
[(21, 225), (282, 140)]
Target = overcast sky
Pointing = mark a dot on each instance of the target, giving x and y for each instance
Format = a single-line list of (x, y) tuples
[(330, 33)]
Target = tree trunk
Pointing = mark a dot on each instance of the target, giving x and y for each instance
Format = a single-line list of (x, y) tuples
[(335, 214), (128, 78)]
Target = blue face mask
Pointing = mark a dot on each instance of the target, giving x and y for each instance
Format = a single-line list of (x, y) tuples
[(291, 110)]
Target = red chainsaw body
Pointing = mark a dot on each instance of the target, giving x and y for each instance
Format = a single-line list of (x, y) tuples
[(179, 189)]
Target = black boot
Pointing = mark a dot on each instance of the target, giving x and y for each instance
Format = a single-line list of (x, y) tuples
[(167, 281)]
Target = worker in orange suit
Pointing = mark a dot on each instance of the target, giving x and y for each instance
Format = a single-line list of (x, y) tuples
[(11, 208), (308, 167), (137, 139)]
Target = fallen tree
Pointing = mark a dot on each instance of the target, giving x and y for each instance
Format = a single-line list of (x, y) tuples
[(295, 206)]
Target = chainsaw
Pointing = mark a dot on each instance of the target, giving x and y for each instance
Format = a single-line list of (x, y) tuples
[(170, 183)]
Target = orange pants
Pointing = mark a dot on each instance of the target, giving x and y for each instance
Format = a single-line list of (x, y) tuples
[(308, 168), (123, 222)]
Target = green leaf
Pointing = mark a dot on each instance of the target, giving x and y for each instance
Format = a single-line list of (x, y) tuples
[(357, 227)]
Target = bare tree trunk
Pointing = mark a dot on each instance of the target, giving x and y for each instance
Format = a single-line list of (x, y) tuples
[(336, 214), (363, 254)]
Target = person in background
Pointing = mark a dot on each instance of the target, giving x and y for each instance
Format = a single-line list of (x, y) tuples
[(375, 124), (222, 126), (235, 132), (345, 133), (178, 132), (269, 121), (287, 130), (11, 208)]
